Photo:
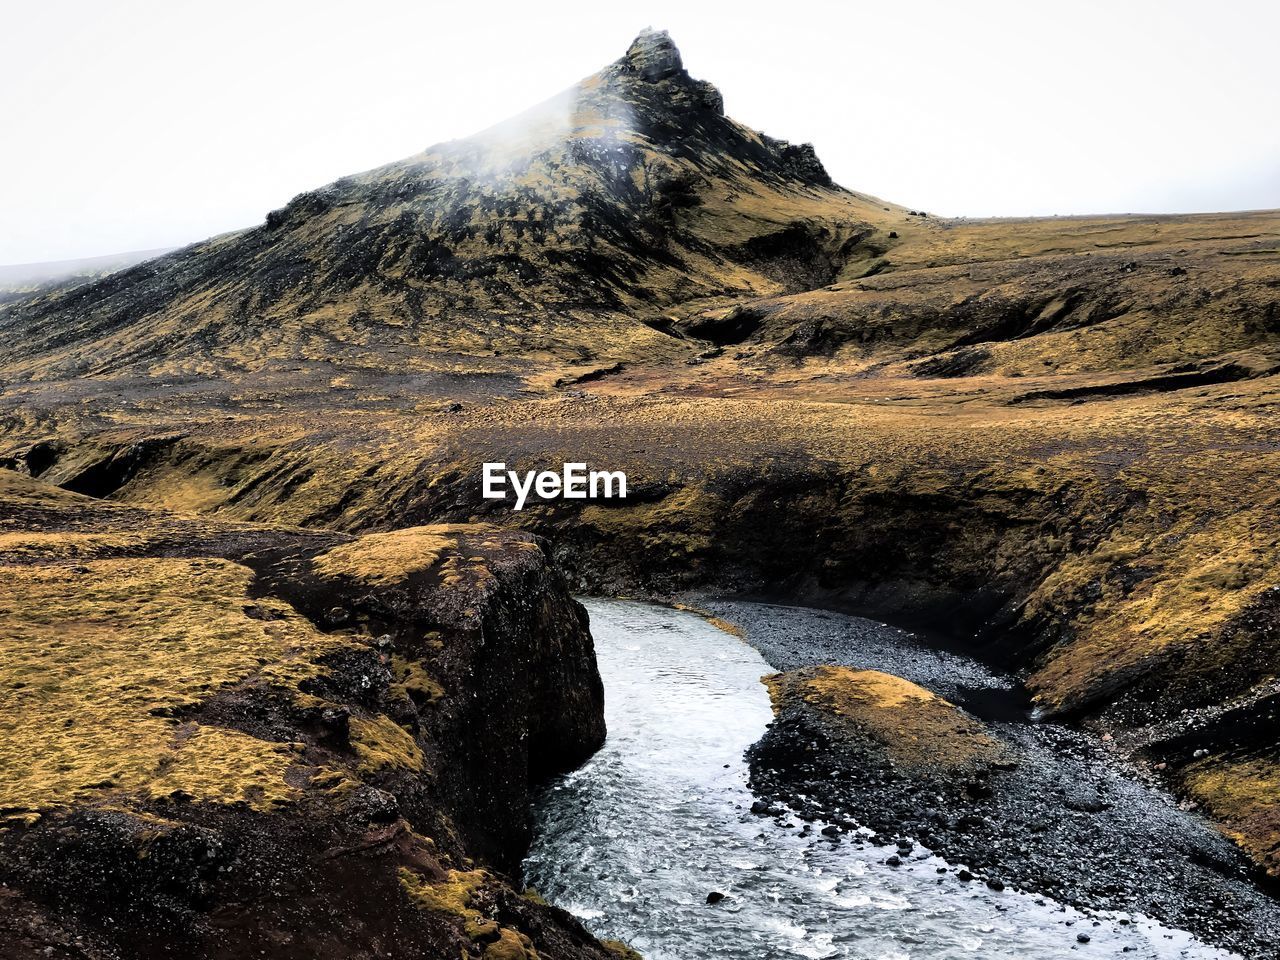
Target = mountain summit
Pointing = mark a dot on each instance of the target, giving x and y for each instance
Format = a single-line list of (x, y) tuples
[(571, 230), (654, 56)]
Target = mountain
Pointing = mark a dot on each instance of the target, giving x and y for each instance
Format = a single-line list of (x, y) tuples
[(561, 230), (627, 217)]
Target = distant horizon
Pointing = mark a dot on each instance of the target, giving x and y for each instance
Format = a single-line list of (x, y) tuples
[(146, 127)]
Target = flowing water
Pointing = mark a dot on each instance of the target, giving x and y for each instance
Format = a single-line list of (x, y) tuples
[(633, 842)]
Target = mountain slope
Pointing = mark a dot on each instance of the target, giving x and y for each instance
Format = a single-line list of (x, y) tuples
[(20, 281), (627, 195)]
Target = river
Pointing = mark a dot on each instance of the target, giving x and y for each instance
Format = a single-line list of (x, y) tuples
[(633, 842)]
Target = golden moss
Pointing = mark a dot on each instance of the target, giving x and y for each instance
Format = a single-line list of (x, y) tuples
[(20, 547), (677, 527), (95, 655), (621, 950), (917, 728), (510, 945), (1244, 794), (413, 680), (1199, 578), (452, 896), (215, 765), (382, 744), (21, 490), (387, 557)]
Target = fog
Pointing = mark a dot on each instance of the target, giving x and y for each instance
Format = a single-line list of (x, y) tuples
[(135, 124)]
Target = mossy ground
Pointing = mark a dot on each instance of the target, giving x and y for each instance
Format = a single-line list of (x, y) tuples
[(172, 722), (919, 732), (385, 557), (1244, 793), (101, 657)]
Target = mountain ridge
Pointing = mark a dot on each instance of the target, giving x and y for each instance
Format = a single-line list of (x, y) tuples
[(621, 197)]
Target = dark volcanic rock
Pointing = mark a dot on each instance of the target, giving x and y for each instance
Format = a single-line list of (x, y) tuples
[(405, 746), (1050, 813), (653, 55)]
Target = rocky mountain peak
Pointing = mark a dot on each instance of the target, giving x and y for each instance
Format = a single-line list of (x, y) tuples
[(653, 63), (626, 195), (653, 55)]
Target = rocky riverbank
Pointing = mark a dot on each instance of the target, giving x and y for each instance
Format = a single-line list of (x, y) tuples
[(227, 740), (884, 741)]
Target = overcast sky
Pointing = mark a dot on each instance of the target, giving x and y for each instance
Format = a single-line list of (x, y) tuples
[(131, 124)]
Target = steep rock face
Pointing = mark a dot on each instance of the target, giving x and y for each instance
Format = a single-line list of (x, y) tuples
[(332, 756), (653, 55), (466, 609)]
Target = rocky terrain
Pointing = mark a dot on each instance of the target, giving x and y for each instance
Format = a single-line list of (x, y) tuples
[(1052, 439), (21, 281), (935, 753), (221, 740)]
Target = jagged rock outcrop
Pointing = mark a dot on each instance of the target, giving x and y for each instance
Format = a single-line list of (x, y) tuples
[(653, 56)]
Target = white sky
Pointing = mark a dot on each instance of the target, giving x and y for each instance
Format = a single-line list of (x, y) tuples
[(130, 124)]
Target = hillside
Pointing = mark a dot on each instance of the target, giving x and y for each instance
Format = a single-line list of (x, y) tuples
[(550, 235), (1052, 440), (21, 281)]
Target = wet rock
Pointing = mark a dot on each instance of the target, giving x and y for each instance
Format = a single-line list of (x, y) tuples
[(714, 897), (367, 804)]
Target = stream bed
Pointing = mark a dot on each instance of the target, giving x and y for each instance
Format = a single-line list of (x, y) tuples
[(633, 842)]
